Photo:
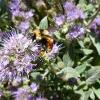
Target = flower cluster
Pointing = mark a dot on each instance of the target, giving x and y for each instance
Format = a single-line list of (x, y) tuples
[(25, 93), (76, 31), (16, 56), (20, 16), (95, 26), (72, 13), (59, 20), (72, 17)]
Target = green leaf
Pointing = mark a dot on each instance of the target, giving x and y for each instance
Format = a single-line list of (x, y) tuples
[(92, 96), (67, 73), (82, 1), (44, 23), (36, 76), (67, 60), (97, 92), (89, 7), (93, 75), (81, 68), (60, 64), (57, 35), (87, 51), (92, 71), (85, 95), (81, 43), (96, 43)]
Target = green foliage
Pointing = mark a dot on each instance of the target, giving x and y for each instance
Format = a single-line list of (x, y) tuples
[(44, 23), (95, 42), (93, 75)]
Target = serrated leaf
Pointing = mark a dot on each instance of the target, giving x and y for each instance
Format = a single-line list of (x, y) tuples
[(67, 73), (97, 92), (57, 34), (92, 71), (92, 96), (93, 75), (85, 95), (81, 43), (81, 68), (93, 79), (67, 60), (44, 23), (96, 43), (87, 51)]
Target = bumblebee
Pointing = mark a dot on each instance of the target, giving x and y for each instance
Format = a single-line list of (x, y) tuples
[(43, 37)]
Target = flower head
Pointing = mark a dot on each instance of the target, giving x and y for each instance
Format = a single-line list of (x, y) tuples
[(68, 6), (20, 16), (72, 12), (16, 57), (23, 94), (14, 4), (75, 14), (24, 26), (59, 20), (34, 87), (54, 51), (76, 31)]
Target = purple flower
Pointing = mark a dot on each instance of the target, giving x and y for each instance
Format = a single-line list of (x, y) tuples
[(29, 15), (23, 94), (16, 57), (68, 6), (59, 20), (24, 26), (54, 51), (40, 98), (34, 87), (76, 31), (20, 16), (17, 81), (72, 12), (14, 4), (1, 93), (95, 26), (14, 7), (75, 14)]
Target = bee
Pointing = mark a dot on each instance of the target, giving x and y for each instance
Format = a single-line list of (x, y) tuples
[(43, 37)]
